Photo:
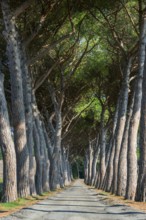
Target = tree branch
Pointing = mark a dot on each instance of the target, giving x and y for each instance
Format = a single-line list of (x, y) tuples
[(34, 34), (22, 8), (49, 120), (53, 97), (131, 20), (114, 33), (45, 49), (41, 80), (79, 60), (73, 118)]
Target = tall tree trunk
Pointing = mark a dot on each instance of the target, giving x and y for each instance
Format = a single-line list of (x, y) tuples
[(65, 166), (122, 169), (102, 138), (108, 154), (17, 101), (86, 161), (97, 181), (134, 124), (121, 122), (102, 156), (9, 193), (141, 187), (39, 165), (43, 154), (27, 94), (109, 169), (69, 172), (61, 174), (46, 171), (48, 142), (90, 155), (94, 163), (55, 160)]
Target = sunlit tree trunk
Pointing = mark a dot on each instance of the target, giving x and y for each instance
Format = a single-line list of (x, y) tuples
[(46, 171), (43, 153), (134, 123), (90, 161), (108, 154), (55, 160), (9, 192), (69, 171), (27, 94), (109, 169), (121, 122), (65, 166), (17, 101), (141, 187), (122, 169), (94, 163), (102, 139), (102, 156)]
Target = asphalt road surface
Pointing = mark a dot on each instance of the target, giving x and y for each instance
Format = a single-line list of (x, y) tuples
[(77, 202)]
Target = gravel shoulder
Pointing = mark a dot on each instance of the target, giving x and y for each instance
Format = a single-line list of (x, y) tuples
[(78, 202)]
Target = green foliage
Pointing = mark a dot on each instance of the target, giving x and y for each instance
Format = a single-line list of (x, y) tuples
[(92, 108)]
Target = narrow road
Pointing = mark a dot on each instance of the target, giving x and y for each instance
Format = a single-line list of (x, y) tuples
[(78, 202)]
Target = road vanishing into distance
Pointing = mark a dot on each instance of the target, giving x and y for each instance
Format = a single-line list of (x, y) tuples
[(77, 202)]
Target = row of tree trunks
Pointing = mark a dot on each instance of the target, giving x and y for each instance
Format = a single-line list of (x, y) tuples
[(122, 175), (40, 165), (90, 162)]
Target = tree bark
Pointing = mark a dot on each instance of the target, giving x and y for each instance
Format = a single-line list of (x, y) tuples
[(55, 160), (86, 161), (109, 169), (43, 155), (65, 167), (90, 155), (94, 163), (17, 101), (102, 157), (27, 94), (102, 138), (134, 123), (121, 121), (141, 186), (9, 192), (39, 165), (122, 167)]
